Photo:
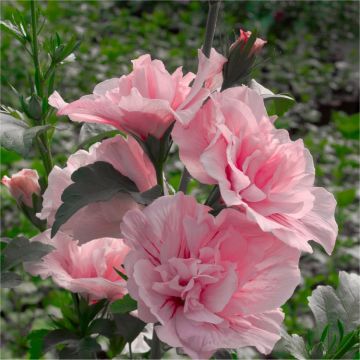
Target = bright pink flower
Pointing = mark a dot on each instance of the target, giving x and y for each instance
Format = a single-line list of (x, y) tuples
[(244, 37), (232, 142), (210, 282), (100, 219), (87, 269), (140, 103), (23, 185)]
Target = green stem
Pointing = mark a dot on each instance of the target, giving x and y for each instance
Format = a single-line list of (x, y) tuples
[(43, 142), (45, 153), (214, 6), (35, 50), (184, 180), (160, 165), (159, 175), (155, 346), (213, 196)]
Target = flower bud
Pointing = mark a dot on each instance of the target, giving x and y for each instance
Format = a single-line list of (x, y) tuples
[(35, 108), (241, 59), (23, 185), (243, 39)]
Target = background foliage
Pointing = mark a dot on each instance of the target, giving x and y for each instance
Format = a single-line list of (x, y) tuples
[(312, 54)]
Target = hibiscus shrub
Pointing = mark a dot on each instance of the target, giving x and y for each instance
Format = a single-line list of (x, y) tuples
[(139, 256)]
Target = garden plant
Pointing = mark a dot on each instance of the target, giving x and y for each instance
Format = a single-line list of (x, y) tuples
[(170, 213)]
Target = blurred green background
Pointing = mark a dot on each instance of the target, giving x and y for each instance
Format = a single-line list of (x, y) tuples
[(312, 54)]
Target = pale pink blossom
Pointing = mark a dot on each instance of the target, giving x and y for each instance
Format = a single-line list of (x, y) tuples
[(208, 78), (86, 269), (211, 282), (100, 219), (23, 185), (232, 142), (244, 37), (141, 103)]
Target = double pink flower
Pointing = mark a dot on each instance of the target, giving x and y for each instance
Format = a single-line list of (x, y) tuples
[(141, 103), (210, 282), (231, 142)]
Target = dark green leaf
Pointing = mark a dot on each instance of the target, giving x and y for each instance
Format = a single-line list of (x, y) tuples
[(85, 348), (222, 354), (147, 197), (10, 279), (92, 183), (121, 274), (36, 343), (105, 327), (34, 108), (94, 309), (59, 336), (21, 249), (128, 326), (123, 305)]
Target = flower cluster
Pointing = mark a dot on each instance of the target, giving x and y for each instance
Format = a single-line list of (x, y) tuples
[(210, 276)]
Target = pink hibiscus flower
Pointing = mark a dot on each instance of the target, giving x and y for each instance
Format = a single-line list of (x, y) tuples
[(87, 269), (232, 142), (211, 282), (140, 103), (100, 219)]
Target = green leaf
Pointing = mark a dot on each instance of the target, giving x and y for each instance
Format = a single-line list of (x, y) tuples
[(148, 196), (121, 274), (64, 50), (93, 132), (324, 333), (10, 279), (85, 348), (59, 336), (105, 327), (276, 104), (12, 134), (96, 182), (341, 329), (345, 197), (36, 343), (329, 305), (94, 309), (222, 354), (92, 183), (34, 109), (12, 29), (128, 326), (21, 249), (295, 345), (16, 135), (348, 125), (123, 305), (156, 149)]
